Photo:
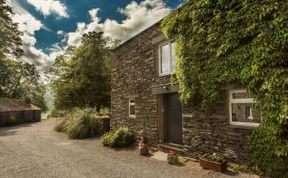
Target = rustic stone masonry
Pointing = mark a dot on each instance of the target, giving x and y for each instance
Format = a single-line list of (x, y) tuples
[(210, 130), (135, 75)]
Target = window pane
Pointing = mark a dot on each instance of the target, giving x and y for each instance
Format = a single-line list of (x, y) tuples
[(132, 101), (173, 56), (241, 95), (132, 110), (165, 55), (245, 112)]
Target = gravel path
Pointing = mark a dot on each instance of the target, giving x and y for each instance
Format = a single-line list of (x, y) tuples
[(36, 150)]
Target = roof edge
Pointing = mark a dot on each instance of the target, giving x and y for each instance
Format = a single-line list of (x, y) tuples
[(141, 32)]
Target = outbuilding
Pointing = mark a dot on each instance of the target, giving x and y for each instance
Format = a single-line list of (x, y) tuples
[(14, 111)]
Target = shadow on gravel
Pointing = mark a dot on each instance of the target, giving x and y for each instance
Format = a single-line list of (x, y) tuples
[(12, 130), (231, 173), (130, 148)]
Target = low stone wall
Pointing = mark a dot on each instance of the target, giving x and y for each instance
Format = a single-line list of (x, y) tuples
[(104, 126), (20, 116)]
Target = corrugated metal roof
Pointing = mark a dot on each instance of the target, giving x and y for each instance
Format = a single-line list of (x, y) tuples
[(10, 104)]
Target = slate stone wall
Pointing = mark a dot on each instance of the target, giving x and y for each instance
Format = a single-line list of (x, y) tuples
[(209, 130), (134, 74)]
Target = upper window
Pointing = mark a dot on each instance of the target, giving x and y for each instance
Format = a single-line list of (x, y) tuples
[(167, 58), (132, 112), (242, 110)]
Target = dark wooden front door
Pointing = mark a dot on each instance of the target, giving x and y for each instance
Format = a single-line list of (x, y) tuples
[(173, 119)]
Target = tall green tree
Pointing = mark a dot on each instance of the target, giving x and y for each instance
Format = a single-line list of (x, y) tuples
[(240, 41), (10, 42), (17, 79), (20, 80), (81, 77)]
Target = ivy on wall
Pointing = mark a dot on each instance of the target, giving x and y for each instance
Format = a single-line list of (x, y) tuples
[(221, 42)]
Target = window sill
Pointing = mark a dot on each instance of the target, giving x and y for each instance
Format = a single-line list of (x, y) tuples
[(246, 127), (164, 75), (132, 117)]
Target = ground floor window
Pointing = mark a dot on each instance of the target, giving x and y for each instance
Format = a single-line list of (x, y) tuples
[(131, 110), (242, 110)]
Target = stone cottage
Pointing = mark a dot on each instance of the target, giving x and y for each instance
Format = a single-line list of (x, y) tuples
[(14, 111), (143, 96)]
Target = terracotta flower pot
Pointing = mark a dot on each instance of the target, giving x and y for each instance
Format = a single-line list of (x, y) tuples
[(219, 167)]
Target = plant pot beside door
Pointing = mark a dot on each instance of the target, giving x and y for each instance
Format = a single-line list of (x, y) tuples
[(143, 149), (143, 144), (213, 162)]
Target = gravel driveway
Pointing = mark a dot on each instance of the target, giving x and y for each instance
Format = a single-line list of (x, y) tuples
[(36, 150)]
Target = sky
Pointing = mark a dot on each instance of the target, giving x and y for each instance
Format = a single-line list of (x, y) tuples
[(49, 26)]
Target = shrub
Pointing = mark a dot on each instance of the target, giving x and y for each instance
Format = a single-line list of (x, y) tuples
[(107, 138), (269, 153), (121, 137), (60, 127), (80, 123), (214, 157), (12, 120)]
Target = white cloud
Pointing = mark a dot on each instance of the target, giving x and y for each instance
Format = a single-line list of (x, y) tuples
[(139, 16), (28, 24), (74, 38), (60, 32), (48, 7)]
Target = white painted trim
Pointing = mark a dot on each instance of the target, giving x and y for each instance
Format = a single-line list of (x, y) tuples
[(187, 115), (160, 58), (132, 104), (243, 100)]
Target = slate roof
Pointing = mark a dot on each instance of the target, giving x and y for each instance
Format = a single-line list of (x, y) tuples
[(10, 104)]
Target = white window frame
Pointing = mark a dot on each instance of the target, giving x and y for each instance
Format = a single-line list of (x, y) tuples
[(239, 100), (132, 104), (170, 58)]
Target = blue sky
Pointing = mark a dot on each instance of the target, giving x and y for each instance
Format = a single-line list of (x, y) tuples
[(49, 26)]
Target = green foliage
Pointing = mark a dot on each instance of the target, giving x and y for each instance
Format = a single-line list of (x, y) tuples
[(12, 120), (10, 35), (56, 113), (270, 154), (104, 110), (17, 79), (214, 157), (241, 168), (120, 137), (20, 80), (81, 77), (106, 139), (79, 124), (236, 42), (246, 168)]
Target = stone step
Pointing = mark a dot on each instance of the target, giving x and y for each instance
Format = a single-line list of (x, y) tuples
[(169, 146)]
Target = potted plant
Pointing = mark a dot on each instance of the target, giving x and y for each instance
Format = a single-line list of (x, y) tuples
[(143, 144), (172, 157), (214, 162), (143, 148)]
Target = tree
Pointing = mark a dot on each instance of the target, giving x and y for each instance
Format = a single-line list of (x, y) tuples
[(20, 80), (81, 77), (17, 79), (10, 42), (244, 42)]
